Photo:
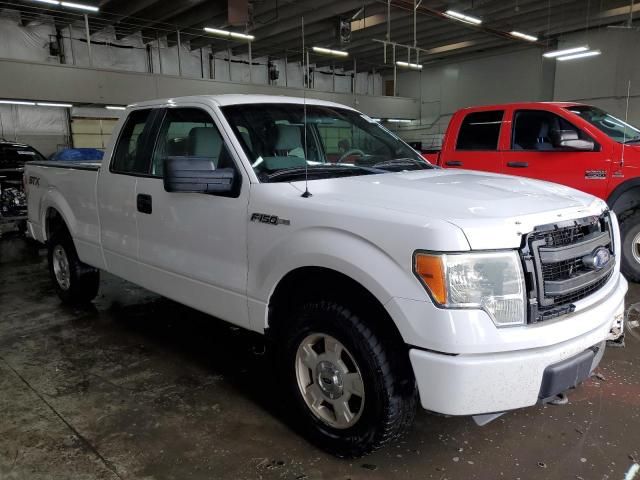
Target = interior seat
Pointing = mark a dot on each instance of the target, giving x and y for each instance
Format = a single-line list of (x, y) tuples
[(289, 142), (205, 142)]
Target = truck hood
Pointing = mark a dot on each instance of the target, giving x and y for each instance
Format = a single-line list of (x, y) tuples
[(493, 211)]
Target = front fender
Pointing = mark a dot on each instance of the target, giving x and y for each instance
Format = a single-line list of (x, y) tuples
[(335, 249)]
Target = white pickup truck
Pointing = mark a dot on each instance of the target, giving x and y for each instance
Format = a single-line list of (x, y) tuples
[(378, 279)]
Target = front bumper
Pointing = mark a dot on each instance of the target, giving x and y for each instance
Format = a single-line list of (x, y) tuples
[(481, 383)]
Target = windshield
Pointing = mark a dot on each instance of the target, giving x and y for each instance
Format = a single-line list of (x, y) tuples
[(332, 142), (14, 155), (613, 127)]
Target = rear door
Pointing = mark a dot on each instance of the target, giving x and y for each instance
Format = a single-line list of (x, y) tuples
[(193, 246), (478, 142), (532, 153), (116, 193)]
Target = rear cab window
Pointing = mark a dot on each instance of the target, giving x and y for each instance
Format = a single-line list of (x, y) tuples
[(131, 153), (480, 131)]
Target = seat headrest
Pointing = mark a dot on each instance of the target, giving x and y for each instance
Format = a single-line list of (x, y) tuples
[(288, 137), (205, 142)]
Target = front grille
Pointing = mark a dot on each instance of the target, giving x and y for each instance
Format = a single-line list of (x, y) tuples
[(554, 258)]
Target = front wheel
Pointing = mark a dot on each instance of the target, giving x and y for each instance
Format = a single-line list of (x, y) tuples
[(75, 282), (347, 390)]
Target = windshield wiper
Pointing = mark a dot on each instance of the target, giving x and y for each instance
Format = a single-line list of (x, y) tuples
[(321, 171), (402, 162)]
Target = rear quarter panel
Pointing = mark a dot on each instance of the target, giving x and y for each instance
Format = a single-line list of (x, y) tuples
[(71, 191)]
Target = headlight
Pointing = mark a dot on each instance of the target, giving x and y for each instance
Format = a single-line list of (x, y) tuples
[(493, 282)]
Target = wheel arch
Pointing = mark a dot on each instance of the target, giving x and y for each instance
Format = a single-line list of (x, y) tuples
[(312, 282), (625, 197)]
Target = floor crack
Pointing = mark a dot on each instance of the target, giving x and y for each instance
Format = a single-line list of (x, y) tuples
[(86, 442)]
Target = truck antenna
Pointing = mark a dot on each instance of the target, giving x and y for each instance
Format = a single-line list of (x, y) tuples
[(305, 77), (626, 120)]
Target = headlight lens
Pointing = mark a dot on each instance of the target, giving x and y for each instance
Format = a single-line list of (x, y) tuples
[(492, 281)]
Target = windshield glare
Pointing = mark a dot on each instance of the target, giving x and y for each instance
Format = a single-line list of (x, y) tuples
[(282, 141), (615, 128)]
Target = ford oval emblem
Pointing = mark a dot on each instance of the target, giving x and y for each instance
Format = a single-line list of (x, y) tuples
[(598, 259)]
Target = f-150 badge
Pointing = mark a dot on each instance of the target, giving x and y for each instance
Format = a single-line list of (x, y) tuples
[(270, 219)]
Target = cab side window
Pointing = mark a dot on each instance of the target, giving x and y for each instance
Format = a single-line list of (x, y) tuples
[(189, 132), (130, 152), (535, 130), (480, 131)]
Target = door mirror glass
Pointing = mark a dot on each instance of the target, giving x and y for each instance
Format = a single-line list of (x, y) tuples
[(571, 139), (198, 175)]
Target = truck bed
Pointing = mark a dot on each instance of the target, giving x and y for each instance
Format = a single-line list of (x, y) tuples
[(71, 187)]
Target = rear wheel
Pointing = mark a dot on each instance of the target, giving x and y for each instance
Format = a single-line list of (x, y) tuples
[(346, 389), (75, 281), (630, 235)]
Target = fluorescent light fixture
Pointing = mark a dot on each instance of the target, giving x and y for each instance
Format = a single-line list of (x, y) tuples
[(16, 102), (590, 53), (415, 66), (328, 51), (50, 2), (524, 36), (462, 17), (80, 6), (227, 34), (565, 51), (52, 104), (398, 120), (115, 107)]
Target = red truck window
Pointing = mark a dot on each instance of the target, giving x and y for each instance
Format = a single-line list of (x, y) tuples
[(480, 131), (534, 130)]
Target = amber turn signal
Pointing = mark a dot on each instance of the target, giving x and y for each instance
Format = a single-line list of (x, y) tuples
[(430, 269)]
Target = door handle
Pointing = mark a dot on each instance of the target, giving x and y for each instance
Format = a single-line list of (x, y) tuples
[(453, 163), (144, 203), (517, 164)]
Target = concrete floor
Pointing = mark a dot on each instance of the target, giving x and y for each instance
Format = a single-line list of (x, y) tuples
[(140, 387)]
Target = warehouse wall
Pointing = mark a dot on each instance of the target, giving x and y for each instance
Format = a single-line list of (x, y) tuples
[(31, 42), (603, 80), (46, 129)]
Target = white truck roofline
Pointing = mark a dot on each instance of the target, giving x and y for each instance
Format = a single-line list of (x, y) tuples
[(239, 99)]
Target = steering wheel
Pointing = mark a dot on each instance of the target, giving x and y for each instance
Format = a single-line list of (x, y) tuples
[(353, 151)]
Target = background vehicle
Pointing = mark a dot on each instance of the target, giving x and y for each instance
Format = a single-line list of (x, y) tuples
[(377, 279), (576, 145), (13, 202)]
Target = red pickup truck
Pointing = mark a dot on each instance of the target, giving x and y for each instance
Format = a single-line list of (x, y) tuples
[(580, 146)]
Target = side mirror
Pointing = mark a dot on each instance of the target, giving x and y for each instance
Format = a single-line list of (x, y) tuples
[(197, 175), (571, 139)]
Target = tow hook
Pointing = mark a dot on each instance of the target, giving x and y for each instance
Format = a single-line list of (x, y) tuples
[(616, 334), (482, 420)]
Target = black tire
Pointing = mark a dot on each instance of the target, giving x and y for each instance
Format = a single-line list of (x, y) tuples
[(629, 228), (83, 281), (389, 402)]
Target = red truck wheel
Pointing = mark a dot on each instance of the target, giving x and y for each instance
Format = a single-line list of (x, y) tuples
[(630, 234)]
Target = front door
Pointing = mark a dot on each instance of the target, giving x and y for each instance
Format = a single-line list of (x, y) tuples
[(534, 153), (193, 246)]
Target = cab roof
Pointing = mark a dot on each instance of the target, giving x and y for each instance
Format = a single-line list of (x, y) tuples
[(525, 105), (239, 99)]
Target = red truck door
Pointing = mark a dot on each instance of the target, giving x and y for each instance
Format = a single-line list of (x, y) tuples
[(534, 152), (477, 144)]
